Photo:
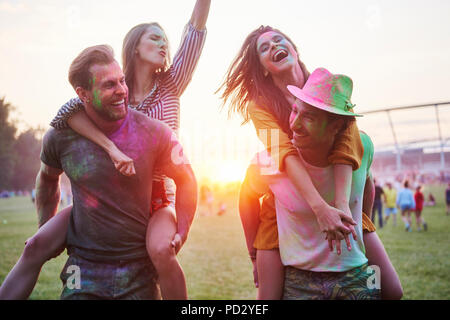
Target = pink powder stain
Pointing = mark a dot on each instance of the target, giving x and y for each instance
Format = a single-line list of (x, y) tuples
[(91, 201)]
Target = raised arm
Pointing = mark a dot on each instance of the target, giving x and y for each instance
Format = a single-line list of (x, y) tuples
[(47, 192), (188, 54), (200, 14)]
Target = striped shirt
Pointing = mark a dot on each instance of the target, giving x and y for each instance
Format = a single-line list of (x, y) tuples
[(163, 102)]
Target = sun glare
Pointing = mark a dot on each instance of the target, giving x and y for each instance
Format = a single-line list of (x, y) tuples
[(230, 172)]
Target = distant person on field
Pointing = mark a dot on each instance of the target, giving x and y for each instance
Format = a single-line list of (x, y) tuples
[(222, 209), (447, 198), (33, 195), (390, 197), (207, 198), (406, 203), (419, 199), (62, 197), (377, 204), (431, 200)]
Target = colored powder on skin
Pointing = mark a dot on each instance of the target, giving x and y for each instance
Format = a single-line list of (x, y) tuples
[(323, 127), (97, 101)]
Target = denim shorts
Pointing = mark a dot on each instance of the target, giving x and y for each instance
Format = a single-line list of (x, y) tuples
[(122, 280), (404, 207), (389, 211), (349, 285)]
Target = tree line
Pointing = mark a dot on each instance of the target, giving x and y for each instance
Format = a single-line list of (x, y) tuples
[(19, 152)]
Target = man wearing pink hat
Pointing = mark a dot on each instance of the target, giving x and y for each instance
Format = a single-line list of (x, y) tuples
[(322, 110)]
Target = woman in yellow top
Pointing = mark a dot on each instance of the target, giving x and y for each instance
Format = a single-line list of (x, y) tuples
[(256, 85)]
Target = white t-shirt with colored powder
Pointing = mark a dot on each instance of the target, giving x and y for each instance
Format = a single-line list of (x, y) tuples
[(302, 244)]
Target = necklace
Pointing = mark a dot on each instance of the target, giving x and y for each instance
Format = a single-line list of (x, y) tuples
[(147, 96)]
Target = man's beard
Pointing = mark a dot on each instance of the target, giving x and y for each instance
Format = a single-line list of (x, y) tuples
[(108, 115)]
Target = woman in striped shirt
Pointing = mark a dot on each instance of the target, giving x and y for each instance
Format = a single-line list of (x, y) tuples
[(155, 88)]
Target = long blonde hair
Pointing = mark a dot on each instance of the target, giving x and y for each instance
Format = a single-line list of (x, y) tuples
[(130, 43)]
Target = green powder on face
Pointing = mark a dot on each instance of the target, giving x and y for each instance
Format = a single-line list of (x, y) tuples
[(97, 101), (323, 127)]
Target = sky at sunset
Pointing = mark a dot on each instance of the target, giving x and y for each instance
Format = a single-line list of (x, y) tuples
[(396, 52)]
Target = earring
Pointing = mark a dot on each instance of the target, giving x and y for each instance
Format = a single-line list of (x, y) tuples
[(266, 73)]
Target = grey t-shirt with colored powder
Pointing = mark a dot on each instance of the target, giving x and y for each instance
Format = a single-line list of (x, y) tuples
[(110, 211)]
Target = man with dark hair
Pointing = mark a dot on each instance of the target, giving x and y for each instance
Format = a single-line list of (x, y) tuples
[(312, 271), (106, 237), (447, 199)]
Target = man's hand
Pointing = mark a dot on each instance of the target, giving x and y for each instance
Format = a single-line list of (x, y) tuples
[(177, 242)]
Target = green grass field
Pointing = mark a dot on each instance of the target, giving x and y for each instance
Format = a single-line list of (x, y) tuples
[(215, 258)]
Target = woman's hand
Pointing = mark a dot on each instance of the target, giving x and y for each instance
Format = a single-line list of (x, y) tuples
[(255, 273), (124, 164), (336, 224), (337, 243)]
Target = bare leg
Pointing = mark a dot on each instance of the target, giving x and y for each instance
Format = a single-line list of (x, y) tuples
[(391, 288), (405, 218), (409, 217), (270, 275), (48, 242), (160, 232), (418, 219)]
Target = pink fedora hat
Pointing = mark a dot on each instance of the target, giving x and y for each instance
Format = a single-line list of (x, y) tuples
[(327, 91)]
